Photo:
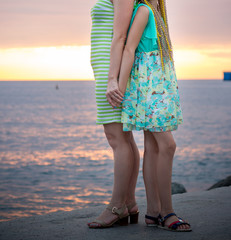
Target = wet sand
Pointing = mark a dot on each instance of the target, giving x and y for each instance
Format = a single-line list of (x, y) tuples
[(208, 212)]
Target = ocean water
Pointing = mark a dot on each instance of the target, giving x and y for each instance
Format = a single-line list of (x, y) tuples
[(54, 157)]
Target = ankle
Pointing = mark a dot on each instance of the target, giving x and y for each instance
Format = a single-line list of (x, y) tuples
[(165, 212), (117, 204), (132, 206), (130, 201), (153, 208), (117, 208), (153, 213)]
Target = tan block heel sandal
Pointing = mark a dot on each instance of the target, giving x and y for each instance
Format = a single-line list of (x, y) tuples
[(122, 219), (134, 216)]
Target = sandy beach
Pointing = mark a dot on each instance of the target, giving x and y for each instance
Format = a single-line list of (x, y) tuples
[(207, 211)]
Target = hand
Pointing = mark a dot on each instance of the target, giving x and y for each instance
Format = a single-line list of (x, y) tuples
[(113, 94)]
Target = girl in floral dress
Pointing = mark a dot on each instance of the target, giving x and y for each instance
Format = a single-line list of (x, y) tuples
[(151, 103)]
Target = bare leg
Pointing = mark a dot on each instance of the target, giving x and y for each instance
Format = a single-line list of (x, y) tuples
[(135, 171), (150, 162), (123, 167), (167, 147), (122, 150)]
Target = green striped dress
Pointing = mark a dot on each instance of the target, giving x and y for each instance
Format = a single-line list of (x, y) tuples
[(101, 36)]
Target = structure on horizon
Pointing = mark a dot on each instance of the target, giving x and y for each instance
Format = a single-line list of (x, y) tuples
[(227, 76)]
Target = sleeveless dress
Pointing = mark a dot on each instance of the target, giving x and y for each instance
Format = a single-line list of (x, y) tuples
[(151, 100), (101, 37)]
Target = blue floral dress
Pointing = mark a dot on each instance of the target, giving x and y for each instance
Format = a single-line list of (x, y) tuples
[(151, 100)]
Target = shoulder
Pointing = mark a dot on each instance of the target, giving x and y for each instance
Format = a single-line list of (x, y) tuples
[(143, 10)]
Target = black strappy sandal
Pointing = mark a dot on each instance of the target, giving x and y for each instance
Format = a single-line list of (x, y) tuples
[(173, 226), (155, 219)]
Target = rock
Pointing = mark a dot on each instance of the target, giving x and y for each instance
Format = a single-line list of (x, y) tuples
[(222, 183), (178, 188)]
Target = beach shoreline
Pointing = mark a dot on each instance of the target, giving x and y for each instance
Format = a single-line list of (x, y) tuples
[(207, 211)]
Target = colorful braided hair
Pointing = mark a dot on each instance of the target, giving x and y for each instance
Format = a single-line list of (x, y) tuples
[(164, 41)]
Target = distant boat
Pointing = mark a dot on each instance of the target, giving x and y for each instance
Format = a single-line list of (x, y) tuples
[(57, 87), (227, 76)]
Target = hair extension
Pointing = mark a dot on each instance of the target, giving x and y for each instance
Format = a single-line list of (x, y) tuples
[(163, 37)]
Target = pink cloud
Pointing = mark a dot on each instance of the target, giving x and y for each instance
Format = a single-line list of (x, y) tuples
[(54, 22)]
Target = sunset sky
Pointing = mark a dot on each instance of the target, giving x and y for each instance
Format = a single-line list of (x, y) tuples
[(50, 39)]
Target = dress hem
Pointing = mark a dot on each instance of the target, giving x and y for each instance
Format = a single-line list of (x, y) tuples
[(112, 121), (131, 127)]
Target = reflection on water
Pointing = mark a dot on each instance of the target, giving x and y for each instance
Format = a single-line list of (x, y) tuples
[(54, 157)]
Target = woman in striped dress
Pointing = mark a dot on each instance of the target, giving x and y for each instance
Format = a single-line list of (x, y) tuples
[(110, 22)]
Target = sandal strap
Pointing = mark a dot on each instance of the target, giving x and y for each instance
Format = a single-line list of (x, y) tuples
[(130, 206), (162, 219), (155, 219), (115, 210), (175, 224), (169, 215)]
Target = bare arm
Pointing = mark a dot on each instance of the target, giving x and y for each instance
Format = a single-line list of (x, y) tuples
[(122, 17), (134, 36)]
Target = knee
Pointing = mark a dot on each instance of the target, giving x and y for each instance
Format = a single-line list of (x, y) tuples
[(150, 147), (111, 138), (116, 138), (168, 147)]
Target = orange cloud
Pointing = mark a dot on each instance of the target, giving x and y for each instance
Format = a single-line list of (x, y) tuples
[(73, 63), (46, 63)]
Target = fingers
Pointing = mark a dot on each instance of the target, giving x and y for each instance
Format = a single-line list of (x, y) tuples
[(115, 95), (112, 102), (119, 93), (116, 99)]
